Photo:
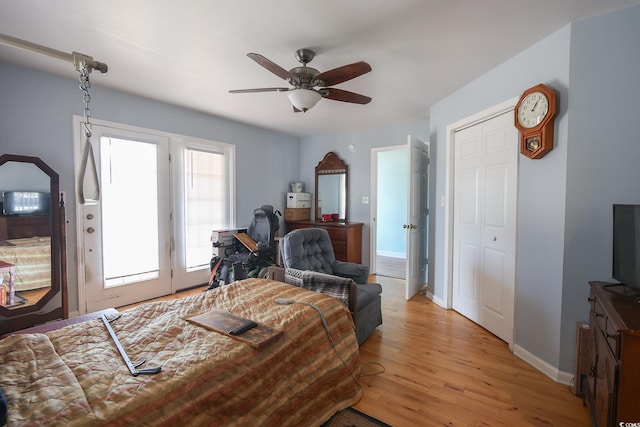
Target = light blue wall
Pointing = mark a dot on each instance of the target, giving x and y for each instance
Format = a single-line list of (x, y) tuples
[(541, 191), (564, 199), (604, 153), (36, 120), (313, 149), (392, 185)]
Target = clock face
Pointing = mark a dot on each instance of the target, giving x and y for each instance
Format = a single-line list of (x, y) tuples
[(533, 109)]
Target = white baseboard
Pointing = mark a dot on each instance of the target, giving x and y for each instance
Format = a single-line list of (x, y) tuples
[(542, 366), (435, 299), (565, 378)]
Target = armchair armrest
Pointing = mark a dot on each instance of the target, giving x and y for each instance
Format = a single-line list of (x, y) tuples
[(335, 286), (358, 272)]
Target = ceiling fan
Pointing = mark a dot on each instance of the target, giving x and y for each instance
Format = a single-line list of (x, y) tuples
[(309, 84)]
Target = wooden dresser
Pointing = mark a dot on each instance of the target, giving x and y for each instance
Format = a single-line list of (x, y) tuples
[(346, 237), (18, 227), (612, 389)]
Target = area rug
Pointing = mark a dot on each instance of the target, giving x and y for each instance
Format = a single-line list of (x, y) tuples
[(353, 418)]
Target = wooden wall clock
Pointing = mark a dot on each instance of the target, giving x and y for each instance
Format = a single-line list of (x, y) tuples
[(534, 117)]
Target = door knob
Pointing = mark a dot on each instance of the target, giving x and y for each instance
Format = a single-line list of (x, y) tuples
[(494, 238), (91, 230), (413, 226), (405, 226)]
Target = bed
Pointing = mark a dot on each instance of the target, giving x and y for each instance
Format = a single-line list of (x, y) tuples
[(75, 376), (32, 259)]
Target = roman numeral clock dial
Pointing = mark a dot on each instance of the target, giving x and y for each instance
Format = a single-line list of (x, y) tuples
[(534, 118)]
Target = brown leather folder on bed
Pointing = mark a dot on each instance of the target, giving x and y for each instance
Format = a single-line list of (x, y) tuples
[(224, 322)]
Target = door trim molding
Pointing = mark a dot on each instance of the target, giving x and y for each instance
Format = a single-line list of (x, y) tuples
[(174, 140), (373, 201), (447, 259)]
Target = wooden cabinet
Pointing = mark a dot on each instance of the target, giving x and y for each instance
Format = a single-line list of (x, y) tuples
[(612, 388), (346, 237), (18, 227)]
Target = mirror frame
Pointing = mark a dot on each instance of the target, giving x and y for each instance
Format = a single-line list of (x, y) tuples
[(22, 317), (331, 164)]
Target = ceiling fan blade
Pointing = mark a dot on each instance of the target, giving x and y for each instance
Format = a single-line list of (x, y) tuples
[(344, 96), (262, 89), (342, 74), (271, 66)]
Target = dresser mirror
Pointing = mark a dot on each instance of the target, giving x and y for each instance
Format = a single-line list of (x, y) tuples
[(331, 198), (32, 245)]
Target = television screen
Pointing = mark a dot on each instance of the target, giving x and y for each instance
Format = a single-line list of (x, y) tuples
[(25, 203), (626, 244)]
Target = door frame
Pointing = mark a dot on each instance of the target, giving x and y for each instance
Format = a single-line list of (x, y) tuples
[(373, 211), (175, 140), (447, 259)]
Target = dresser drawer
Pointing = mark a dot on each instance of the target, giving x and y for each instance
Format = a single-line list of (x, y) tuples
[(18, 227), (598, 316), (613, 338), (337, 234), (346, 238), (606, 327)]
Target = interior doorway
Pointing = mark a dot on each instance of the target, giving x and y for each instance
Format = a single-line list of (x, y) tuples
[(391, 195), (399, 213)]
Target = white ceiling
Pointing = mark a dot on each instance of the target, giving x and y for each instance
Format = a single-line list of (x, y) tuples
[(191, 52)]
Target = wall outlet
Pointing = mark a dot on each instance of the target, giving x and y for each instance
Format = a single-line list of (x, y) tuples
[(365, 200)]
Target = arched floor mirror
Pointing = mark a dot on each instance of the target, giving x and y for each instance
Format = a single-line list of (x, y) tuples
[(32, 244)]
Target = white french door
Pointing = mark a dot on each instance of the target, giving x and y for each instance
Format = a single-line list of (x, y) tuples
[(145, 230), (126, 235), (484, 223), (202, 190)]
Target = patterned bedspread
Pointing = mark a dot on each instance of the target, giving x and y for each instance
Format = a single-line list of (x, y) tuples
[(74, 376), (32, 258)]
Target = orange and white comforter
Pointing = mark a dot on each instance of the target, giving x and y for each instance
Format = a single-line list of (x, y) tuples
[(75, 376)]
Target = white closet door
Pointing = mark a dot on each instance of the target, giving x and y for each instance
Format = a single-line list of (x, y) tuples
[(485, 174)]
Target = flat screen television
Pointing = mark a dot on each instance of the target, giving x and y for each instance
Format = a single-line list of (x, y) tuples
[(26, 203), (626, 245)]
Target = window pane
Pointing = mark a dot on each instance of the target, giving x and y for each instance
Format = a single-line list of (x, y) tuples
[(204, 203), (129, 211)]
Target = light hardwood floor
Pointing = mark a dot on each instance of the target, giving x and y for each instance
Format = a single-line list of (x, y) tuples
[(391, 267), (440, 369)]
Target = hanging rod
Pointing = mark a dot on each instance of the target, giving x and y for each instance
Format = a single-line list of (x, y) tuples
[(78, 59)]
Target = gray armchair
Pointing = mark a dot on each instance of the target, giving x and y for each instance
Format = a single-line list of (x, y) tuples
[(309, 261)]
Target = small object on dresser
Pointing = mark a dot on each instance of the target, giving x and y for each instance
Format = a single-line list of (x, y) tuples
[(297, 214), (298, 200)]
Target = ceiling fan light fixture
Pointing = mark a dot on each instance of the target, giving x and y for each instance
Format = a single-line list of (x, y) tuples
[(304, 99)]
